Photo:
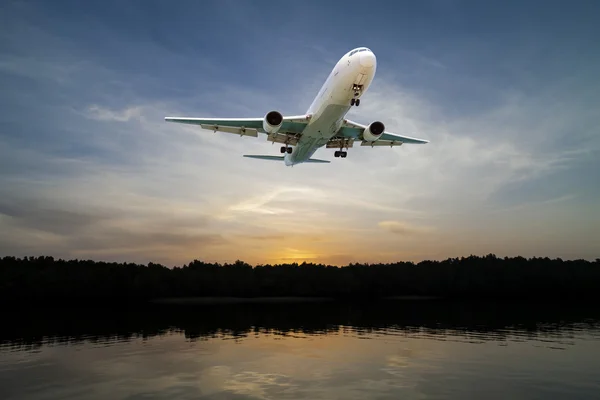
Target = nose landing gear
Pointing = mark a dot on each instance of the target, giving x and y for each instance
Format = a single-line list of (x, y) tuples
[(355, 101)]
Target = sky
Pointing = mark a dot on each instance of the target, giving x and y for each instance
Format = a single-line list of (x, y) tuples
[(507, 93)]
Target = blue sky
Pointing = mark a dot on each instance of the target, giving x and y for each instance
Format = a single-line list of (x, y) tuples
[(506, 92)]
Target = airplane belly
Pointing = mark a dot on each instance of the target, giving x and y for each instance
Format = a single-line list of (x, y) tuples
[(318, 132), (327, 123), (329, 108), (361, 79)]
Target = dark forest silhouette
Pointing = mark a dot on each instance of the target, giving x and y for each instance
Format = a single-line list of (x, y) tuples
[(46, 279)]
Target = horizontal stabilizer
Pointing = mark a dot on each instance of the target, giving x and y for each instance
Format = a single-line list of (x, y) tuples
[(280, 158), (314, 160), (272, 158)]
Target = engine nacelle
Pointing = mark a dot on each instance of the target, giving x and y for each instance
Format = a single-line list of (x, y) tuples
[(272, 122), (373, 131)]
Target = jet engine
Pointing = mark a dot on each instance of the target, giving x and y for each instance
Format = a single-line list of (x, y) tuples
[(272, 122), (373, 131)]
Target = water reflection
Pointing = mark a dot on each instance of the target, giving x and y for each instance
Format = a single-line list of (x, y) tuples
[(463, 322), (313, 351)]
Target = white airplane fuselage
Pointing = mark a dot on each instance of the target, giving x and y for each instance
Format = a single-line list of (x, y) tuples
[(347, 82), (324, 123)]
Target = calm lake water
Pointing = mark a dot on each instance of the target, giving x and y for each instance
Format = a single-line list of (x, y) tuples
[(391, 350)]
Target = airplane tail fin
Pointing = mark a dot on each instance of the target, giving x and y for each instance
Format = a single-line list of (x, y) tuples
[(280, 158)]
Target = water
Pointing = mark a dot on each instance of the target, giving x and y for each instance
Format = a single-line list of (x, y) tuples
[(407, 350)]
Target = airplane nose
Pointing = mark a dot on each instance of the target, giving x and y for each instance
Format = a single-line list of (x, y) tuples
[(367, 59)]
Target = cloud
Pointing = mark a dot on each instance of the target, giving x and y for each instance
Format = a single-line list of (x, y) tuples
[(173, 167), (403, 228), (470, 159), (69, 229), (28, 213), (89, 166), (258, 203), (103, 114), (265, 237)]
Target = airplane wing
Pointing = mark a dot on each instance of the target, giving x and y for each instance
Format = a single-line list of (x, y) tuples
[(290, 131), (353, 131)]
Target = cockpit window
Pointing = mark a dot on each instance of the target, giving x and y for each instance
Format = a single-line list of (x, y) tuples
[(358, 51)]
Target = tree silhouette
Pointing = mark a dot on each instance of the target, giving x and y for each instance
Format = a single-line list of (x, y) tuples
[(45, 278)]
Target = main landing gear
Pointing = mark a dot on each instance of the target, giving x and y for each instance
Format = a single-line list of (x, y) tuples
[(287, 149), (355, 102), (340, 153)]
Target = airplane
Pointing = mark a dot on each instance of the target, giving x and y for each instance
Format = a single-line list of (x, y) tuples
[(323, 124)]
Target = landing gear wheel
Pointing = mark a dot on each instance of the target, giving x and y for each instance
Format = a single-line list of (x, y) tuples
[(344, 154), (337, 153), (283, 149), (289, 150), (352, 101), (357, 102)]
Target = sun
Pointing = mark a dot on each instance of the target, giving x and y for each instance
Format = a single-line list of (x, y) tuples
[(291, 255)]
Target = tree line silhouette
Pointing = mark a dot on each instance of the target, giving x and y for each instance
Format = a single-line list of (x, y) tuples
[(45, 278)]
